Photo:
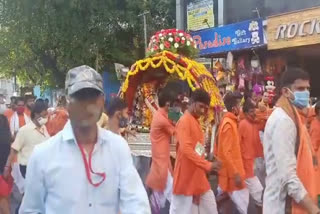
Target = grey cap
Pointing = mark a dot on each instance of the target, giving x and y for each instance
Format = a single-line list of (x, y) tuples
[(83, 77)]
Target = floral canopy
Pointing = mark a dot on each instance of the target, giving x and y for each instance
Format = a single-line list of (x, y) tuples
[(170, 55)]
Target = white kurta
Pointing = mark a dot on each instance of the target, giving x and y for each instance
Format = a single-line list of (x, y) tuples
[(279, 151)]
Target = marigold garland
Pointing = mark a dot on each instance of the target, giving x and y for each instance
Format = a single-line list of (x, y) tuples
[(196, 74), (147, 90)]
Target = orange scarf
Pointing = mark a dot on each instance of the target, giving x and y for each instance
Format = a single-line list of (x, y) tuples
[(306, 158)]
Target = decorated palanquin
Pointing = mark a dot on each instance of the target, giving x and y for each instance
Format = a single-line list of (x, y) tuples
[(169, 57)]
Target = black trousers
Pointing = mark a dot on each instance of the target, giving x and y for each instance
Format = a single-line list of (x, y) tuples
[(23, 170), (4, 153)]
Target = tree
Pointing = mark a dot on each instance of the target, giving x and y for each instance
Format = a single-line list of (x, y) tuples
[(41, 39)]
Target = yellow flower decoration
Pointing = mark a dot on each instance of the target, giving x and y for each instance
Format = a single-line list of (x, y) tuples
[(196, 74)]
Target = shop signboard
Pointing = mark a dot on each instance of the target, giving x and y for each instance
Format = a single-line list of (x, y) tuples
[(294, 29), (200, 15), (238, 36)]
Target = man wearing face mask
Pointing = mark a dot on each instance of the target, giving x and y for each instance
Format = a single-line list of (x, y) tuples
[(251, 149), (228, 150), (191, 189), (291, 164), (84, 169), (175, 112), (118, 117), (30, 135)]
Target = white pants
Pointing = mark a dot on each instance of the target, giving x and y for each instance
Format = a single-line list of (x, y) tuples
[(161, 197), (241, 199), (260, 170), (17, 177), (182, 204), (168, 190), (255, 189)]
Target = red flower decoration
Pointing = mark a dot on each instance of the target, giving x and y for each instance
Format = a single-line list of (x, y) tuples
[(167, 44), (161, 39)]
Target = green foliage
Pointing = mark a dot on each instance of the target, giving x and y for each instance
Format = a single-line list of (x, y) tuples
[(41, 39)]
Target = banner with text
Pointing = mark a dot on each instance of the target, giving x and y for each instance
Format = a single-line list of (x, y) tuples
[(243, 35), (200, 15)]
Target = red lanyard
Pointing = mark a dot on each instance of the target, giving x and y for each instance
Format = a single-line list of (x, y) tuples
[(89, 168)]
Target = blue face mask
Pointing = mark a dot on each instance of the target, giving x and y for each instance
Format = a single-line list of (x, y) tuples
[(301, 99)]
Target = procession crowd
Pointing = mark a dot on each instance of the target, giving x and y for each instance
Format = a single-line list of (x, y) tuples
[(74, 158)]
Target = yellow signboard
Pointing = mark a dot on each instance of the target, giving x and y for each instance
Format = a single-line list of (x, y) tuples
[(200, 15), (294, 29)]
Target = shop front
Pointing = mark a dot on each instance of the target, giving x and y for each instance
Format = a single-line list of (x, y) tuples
[(238, 54), (295, 39), (234, 37)]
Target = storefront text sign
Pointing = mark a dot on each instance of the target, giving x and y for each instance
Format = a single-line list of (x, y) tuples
[(294, 29), (238, 36)]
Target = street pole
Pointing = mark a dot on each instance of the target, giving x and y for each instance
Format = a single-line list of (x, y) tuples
[(220, 12), (257, 11), (145, 29), (180, 5), (97, 59)]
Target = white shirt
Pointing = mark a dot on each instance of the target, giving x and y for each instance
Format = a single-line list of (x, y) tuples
[(56, 181), (279, 152), (27, 138)]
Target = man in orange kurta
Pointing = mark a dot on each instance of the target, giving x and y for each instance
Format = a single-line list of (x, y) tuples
[(315, 129), (160, 178), (232, 174), (251, 149), (307, 115), (17, 118), (192, 193), (57, 120), (315, 137)]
